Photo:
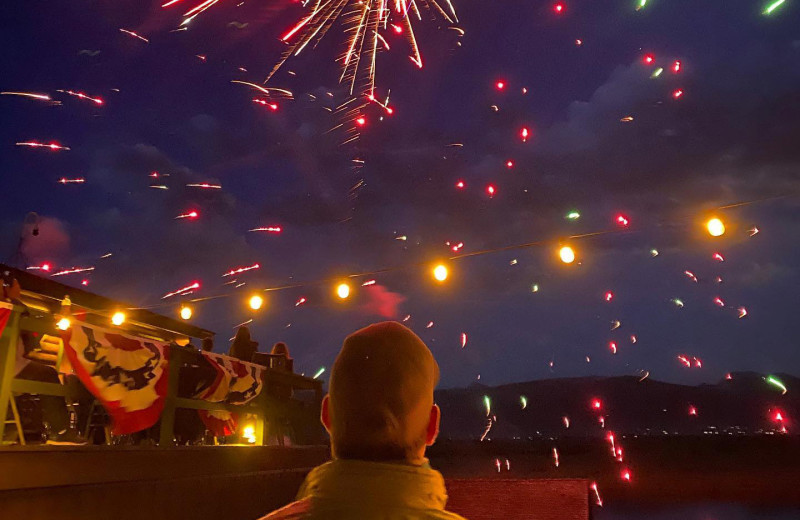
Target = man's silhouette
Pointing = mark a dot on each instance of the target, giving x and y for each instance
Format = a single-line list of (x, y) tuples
[(381, 417)]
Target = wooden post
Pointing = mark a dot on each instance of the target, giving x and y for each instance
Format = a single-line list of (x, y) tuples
[(8, 356), (167, 433), (262, 403)]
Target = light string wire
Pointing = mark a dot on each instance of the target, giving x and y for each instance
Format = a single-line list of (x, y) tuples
[(414, 265)]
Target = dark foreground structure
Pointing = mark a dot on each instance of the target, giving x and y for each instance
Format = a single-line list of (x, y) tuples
[(98, 482), (519, 499), (226, 482)]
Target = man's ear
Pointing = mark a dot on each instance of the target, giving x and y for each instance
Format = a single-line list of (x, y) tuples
[(433, 425), (325, 414)]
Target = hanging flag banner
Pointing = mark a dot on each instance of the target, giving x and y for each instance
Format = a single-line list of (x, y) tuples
[(5, 313), (6, 309), (127, 374), (237, 382)]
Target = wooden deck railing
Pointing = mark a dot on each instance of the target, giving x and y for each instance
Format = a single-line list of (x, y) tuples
[(269, 411)]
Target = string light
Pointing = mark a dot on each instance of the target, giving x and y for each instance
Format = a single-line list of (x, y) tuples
[(343, 291), (567, 254), (186, 312), (249, 434), (255, 302), (63, 324), (440, 273), (715, 227), (118, 318)]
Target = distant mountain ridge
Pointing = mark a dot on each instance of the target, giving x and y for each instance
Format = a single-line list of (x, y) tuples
[(744, 404)]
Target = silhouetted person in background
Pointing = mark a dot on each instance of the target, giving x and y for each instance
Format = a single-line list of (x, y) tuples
[(207, 345), (277, 390), (243, 347), (381, 417), (280, 349)]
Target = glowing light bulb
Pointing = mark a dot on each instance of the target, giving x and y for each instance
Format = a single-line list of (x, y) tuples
[(440, 273), (186, 312), (343, 291), (118, 318), (249, 434), (255, 302), (715, 227), (63, 324), (566, 254)]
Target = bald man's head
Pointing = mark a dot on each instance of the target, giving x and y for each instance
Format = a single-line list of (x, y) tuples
[(380, 404)]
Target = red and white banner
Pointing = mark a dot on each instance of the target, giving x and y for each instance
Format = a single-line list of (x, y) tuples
[(237, 382), (5, 313), (128, 375)]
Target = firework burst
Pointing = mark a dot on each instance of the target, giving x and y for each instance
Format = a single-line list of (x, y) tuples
[(363, 22)]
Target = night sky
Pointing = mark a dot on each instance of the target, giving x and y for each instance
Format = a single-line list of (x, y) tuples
[(731, 137)]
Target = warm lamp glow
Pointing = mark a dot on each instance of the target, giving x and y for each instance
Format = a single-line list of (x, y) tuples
[(249, 434), (343, 291), (118, 318), (715, 227), (63, 324), (255, 302), (440, 273), (566, 254), (186, 312)]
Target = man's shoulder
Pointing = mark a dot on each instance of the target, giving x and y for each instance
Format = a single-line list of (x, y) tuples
[(302, 509), (446, 515), (294, 511)]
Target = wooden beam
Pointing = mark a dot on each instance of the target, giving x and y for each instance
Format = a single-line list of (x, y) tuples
[(26, 386), (54, 292)]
